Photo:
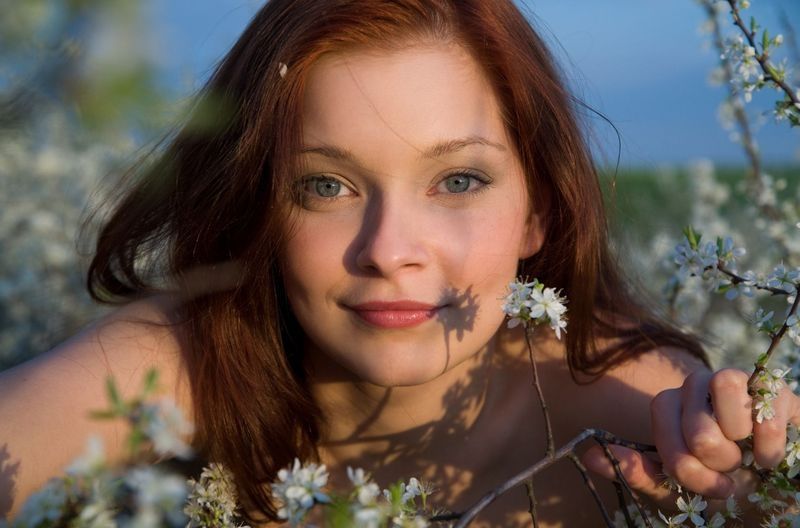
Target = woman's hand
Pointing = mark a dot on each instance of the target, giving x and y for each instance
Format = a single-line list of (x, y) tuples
[(695, 428)]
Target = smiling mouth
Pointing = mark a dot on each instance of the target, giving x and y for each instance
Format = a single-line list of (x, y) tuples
[(395, 314)]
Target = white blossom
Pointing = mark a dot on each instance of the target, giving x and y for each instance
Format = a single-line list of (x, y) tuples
[(165, 425), (691, 510), (531, 302), (411, 490), (670, 522), (784, 279), (717, 521), (212, 499), (158, 495), (793, 328), (45, 506), (792, 451), (298, 488), (765, 408), (91, 461)]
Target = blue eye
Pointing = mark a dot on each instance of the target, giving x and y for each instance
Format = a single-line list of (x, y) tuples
[(461, 182), (324, 187), (327, 188)]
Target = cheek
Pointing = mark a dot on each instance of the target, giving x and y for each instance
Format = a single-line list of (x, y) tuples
[(490, 243), (313, 261)]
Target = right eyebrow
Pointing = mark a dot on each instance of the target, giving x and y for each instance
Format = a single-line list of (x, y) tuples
[(330, 151)]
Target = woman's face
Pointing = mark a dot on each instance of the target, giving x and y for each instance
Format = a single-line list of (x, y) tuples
[(413, 214)]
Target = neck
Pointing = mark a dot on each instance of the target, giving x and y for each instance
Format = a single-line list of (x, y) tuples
[(444, 422)]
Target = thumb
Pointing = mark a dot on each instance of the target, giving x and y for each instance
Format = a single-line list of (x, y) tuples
[(642, 474)]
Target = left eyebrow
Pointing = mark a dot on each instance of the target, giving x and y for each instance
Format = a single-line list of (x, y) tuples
[(434, 151), (454, 145)]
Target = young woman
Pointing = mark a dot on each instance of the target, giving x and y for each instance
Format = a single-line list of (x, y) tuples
[(320, 276)]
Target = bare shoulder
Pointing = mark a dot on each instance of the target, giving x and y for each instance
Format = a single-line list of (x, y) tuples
[(619, 400), (45, 403), (658, 369)]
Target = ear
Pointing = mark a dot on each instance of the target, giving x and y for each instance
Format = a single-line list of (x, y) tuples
[(533, 237)]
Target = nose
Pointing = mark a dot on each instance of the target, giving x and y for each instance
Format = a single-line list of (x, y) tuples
[(391, 238)]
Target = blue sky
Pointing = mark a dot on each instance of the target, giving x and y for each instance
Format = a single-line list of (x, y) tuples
[(641, 63)]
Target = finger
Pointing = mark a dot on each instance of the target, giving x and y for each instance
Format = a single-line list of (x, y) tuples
[(732, 405), (701, 432), (769, 436), (641, 473), (676, 458)]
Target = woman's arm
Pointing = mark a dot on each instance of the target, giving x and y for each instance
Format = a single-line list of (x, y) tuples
[(695, 427), (45, 403)]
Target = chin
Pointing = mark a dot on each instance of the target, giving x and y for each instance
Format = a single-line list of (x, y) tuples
[(402, 369)]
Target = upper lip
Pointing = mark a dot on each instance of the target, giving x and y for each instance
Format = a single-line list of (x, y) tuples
[(379, 306)]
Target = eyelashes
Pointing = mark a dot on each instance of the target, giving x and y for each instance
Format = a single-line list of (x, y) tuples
[(462, 182), (321, 189)]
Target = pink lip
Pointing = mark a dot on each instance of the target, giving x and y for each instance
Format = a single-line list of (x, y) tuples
[(395, 314)]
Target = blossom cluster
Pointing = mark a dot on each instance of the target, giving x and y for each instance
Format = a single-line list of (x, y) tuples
[(300, 488), (530, 303), (212, 499), (693, 257), (139, 494), (748, 56), (92, 494)]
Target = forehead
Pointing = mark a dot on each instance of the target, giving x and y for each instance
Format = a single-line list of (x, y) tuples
[(375, 100)]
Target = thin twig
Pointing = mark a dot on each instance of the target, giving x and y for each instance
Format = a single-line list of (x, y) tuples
[(761, 366), (521, 477), (748, 143), (738, 279), (756, 183), (590, 484), (535, 371), (621, 481), (623, 504), (563, 452), (763, 57), (531, 502)]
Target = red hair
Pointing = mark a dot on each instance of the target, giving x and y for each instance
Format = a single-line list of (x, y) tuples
[(219, 194)]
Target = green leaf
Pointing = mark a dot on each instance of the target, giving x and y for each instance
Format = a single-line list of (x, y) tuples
[(692, 236), (771, 71), (337, 513), (150, 382), (765, 40), (113, 396), (762, 360), (102, 415), (753, 25), (135, 440)]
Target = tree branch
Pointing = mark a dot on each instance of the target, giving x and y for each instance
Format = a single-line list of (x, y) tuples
[(592, 489), (535, 372), (565, 451)]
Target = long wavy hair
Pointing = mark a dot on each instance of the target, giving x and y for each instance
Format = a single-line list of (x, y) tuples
[(219, 194)]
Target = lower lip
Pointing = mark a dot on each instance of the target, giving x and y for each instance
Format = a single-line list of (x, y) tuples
[(396, 318)]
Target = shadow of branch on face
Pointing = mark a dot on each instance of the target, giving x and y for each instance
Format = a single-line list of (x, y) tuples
[(462, 309), (459, 316)]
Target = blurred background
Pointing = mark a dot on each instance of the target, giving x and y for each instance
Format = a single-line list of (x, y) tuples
[(87, 86)]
